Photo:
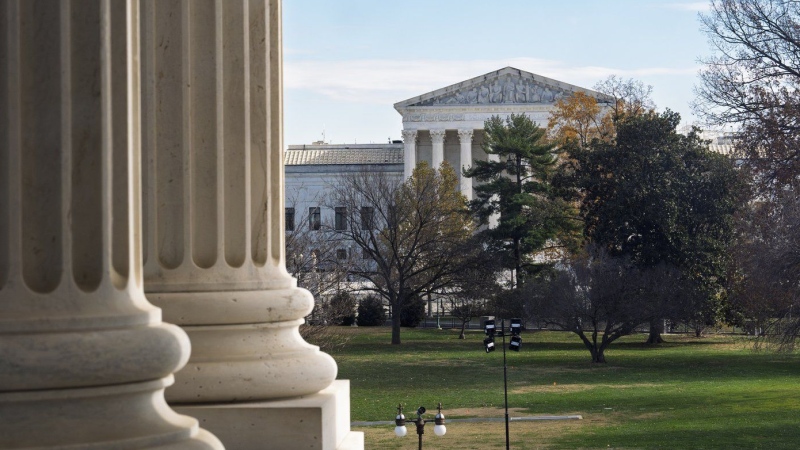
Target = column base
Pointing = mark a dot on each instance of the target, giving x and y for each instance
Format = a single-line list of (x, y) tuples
[(317, 421), (124, 417)]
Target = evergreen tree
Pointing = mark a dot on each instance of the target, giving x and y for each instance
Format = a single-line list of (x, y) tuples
[(517, 187)]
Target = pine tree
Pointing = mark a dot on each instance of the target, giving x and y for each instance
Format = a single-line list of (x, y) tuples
[(532, 216)]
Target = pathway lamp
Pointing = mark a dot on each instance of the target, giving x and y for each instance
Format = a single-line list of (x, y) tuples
[(400, 423)]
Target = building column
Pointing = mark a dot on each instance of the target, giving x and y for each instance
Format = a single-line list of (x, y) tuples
[(409, 152), (84, 358), (214, 227), (494, 219), (465, 137), (437, 155)]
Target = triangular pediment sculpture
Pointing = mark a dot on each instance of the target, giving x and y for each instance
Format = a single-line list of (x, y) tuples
[(505, 86)]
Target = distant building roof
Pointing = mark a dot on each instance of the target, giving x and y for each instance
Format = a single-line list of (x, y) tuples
[(329, 154)]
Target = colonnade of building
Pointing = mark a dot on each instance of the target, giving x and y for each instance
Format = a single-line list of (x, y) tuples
[(466, 140), (437, 136), (141, 179)]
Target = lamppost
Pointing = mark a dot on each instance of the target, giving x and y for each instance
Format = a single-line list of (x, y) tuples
[(490, 330), (400, 421)]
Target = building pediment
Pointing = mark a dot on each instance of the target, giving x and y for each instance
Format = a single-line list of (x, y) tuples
[(508, 86)]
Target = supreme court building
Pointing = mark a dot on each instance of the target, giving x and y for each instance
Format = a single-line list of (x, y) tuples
[(442, 125), (447, 124)]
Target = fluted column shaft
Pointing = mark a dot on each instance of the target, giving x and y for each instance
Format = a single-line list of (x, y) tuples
[(84, 358), (465, 138), (409, 152), (214, 238), (437, 155)]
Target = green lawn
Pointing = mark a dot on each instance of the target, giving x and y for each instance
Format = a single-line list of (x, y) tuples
[(710, 393)]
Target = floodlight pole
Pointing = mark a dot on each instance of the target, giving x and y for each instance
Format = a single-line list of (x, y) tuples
[(490, 330), (505, 376)]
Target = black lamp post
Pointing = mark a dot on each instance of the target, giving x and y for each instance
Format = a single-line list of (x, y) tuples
[(400, 421), (490, 329)]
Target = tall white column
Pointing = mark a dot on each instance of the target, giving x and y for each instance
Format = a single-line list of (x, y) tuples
[(409, 152), (437, 155), (465, 138), (214, 212), (84, 358), (494, 219)]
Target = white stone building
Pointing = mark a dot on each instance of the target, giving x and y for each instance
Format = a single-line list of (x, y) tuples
[(311, 169), (442, 125)]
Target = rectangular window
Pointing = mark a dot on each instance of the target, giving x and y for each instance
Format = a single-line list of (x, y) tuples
[(341, 253), (365, 254), (289, 219), (314, 218), (340, 219), (367, 218)]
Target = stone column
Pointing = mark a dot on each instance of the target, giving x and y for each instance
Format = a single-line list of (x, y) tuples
[(437, 155), (214, 231), (409, 152), (494, 219), (84, 358), (465, 137)]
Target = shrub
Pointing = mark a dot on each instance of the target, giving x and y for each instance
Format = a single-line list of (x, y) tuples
[(341, 309), (371, 312)]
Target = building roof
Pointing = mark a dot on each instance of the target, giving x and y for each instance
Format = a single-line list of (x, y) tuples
[(328, 154), (467, 92)]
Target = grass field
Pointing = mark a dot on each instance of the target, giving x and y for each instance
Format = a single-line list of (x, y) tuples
[(707, 393)]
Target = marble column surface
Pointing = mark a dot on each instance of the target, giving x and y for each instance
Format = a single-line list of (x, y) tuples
[(84, 358), (214, 202)]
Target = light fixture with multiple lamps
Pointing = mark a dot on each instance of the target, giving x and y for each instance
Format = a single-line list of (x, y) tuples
[(400, 429), (490, 330)]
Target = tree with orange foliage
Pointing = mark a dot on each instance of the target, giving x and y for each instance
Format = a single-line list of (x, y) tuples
[(579, 117)]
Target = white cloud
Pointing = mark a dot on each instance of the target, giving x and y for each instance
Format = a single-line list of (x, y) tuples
[(389, 81), (692, 7)]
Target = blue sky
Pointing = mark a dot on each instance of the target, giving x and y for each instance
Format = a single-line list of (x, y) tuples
[(346, 62)]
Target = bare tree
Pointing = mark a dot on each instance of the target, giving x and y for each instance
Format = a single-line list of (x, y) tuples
[(414, 236), (599, 298), (631, 97), (321, 262), (751, 81), (768, 262), (317, 256), (473, 291)]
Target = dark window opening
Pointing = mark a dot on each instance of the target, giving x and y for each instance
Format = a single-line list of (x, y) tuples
[(367, 218), (314, 218), (340, 219)]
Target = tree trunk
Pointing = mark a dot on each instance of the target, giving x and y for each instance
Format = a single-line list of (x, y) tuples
[(656, 328), (463, 326), (396, 324), (698, 331), (598, 355)]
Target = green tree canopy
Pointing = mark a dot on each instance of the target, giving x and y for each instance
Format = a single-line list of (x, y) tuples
[(659, 197)]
